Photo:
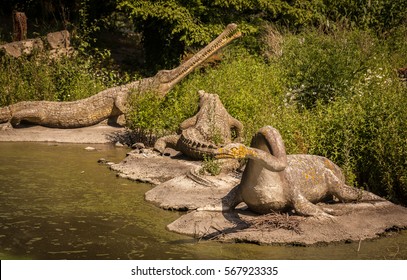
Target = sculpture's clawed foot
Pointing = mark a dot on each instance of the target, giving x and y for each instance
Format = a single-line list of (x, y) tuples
[(163, 153), (6, 126), (334, 212), (323, 216), (214, 208), (160, 151)]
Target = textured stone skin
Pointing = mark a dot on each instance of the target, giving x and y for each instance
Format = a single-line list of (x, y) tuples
[(202, 134), (273, 181), (110, 103)]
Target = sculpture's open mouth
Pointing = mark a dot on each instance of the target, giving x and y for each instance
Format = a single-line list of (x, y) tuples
[(171, 77), (228, 35), (222, 153)]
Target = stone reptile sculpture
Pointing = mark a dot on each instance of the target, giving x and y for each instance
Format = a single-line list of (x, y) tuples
[(110, 103), (273, 181), (201, 135)]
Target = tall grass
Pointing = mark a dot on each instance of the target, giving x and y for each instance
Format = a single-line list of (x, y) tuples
[(37, 77)]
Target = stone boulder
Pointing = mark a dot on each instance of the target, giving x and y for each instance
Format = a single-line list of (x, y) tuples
[(56, 43)]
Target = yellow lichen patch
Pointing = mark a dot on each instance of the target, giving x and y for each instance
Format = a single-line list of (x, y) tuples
[(313, 176), (238, 152), (329, 164)]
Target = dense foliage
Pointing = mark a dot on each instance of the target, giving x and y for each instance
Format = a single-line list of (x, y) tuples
[(172, 26), (321, 71), (37, 77)]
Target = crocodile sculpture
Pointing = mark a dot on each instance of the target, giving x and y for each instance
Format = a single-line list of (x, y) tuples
[(273, 181), (110, 103), (201, 135)]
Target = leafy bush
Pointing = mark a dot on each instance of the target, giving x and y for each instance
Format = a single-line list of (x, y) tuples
[(366, 135), (378, 15), (351, 104), (354, 106), (171, 27), (210, 166), (323, 67)]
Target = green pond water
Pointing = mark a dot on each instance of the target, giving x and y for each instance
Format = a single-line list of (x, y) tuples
[(57, 202)]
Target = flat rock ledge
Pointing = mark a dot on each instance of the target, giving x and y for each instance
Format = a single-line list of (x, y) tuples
[(97, 134), (179, 186), (362, 221), (188, 192), (148, 167)]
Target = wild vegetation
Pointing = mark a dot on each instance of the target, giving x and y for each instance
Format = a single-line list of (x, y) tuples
[(322, 72)]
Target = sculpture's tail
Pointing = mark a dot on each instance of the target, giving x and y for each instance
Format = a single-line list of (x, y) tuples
[(5, 114)]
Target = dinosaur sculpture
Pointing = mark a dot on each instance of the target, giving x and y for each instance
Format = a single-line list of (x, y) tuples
[(110, 103), (202, 134), (273, 181)]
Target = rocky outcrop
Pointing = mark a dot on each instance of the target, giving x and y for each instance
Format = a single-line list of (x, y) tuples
[(358, 222), (56, 43)]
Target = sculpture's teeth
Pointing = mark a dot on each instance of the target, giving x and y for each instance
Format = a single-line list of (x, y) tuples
[(228, 35)]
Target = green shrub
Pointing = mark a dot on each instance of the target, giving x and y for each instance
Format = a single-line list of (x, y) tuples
[(145, 113), (366, 136), (38, 78), (352, 107), (320, 67), (210, 166)]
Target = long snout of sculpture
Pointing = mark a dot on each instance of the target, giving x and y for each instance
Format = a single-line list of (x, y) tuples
[(167, 79)]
